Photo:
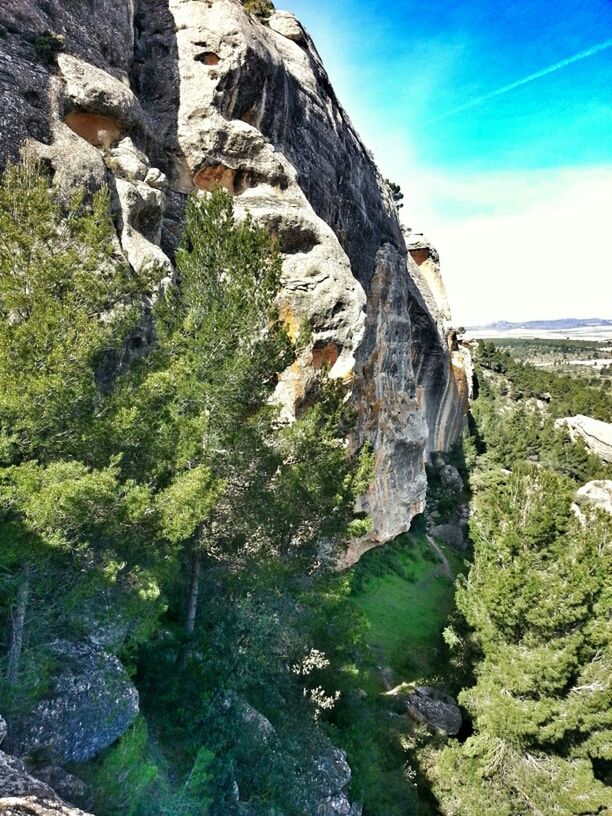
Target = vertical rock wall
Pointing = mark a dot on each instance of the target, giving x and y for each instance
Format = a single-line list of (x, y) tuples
[(158, 98)]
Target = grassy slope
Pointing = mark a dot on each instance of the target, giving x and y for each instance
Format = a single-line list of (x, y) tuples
[(406, 604), (406, 607)]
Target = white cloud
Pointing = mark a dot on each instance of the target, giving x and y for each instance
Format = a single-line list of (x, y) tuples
[(536, 245), (514, 245)]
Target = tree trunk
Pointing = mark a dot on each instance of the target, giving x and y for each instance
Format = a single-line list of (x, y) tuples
[(18, 615), (192, 605), (194, 590)]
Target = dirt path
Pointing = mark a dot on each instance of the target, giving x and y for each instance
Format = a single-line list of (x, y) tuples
[(444, 567)]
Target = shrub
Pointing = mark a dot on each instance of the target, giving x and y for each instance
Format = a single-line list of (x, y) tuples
[(262, 9), (48, 45)]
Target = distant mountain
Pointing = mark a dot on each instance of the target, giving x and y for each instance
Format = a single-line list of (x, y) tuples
[(545, 325)]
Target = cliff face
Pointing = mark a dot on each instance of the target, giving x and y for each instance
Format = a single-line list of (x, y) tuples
[(158, 98)]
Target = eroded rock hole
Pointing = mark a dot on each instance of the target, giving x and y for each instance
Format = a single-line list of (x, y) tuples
[(98, 130), (208, 58), (218, 175), (324, 355), (147, 222), (419, 256)]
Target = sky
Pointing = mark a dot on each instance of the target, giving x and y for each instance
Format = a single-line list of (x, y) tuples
[(496, 120)]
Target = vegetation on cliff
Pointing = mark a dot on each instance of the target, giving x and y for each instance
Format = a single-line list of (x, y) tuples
[(144, 470), (158, 489), (532, 638)]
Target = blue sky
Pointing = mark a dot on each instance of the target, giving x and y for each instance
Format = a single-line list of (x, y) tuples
[(516, 191)]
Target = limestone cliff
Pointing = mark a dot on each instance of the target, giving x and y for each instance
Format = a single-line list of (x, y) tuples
[(157, 98)]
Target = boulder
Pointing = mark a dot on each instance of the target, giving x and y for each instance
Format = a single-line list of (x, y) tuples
[(287, 24), (324, 781), (451, 478), (93, 702), (66, 785), (22, 794), (435, 709), (598, 493), (596, 434), (330, 785), (451, 534)]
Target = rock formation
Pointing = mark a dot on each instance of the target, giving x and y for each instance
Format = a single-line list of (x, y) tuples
[(435, 709), (163, 97), (324, 789), (596, 434), (597, 493), (21, 794), (93, 702)]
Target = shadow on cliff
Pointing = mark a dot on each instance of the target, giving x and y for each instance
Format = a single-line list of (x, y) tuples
[(155, 79), (25, 79)]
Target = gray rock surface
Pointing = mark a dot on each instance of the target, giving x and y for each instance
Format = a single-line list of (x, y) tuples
[(325, 783), (22, 794), (66, 785), (435, 709), (451, 478), (161, 99), (93, 702), (597, 493), (596, 434), (451, 534)]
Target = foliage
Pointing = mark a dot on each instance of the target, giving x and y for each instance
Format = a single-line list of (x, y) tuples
[(66, 516), (534, 604), (531, 639), (396, 193), (134, 779), (48, 45), (65, 300), (567, 396), (262, 9)]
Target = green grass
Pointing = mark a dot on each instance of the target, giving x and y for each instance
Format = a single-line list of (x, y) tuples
[(406, 605)]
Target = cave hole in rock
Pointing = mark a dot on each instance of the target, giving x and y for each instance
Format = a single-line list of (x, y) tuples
[(147, 222), (97, 129), (207, 58), (420, 255), (218, 175), (324, 355), (294, 239)]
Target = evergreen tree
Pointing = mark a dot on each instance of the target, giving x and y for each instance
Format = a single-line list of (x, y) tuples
[(535, 602), (66, 299)]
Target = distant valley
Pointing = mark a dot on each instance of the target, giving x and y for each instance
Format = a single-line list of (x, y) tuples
[(593, 328)]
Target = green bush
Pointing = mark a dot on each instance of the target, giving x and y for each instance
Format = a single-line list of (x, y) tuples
[(48, 45), (262, 9)]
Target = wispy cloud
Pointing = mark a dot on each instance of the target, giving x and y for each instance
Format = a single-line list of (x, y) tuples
[(534, 245), (551, 69)]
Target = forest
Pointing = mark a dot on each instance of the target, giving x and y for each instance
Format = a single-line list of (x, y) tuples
[(152, 503), (530, 638)]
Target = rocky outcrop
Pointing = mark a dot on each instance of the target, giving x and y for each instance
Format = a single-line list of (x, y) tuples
[(596, 434), (597, 493), (451, 534), (435, 709), (22, 794), (324, 782), (93, 702), (159, 99), (445, 375)]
